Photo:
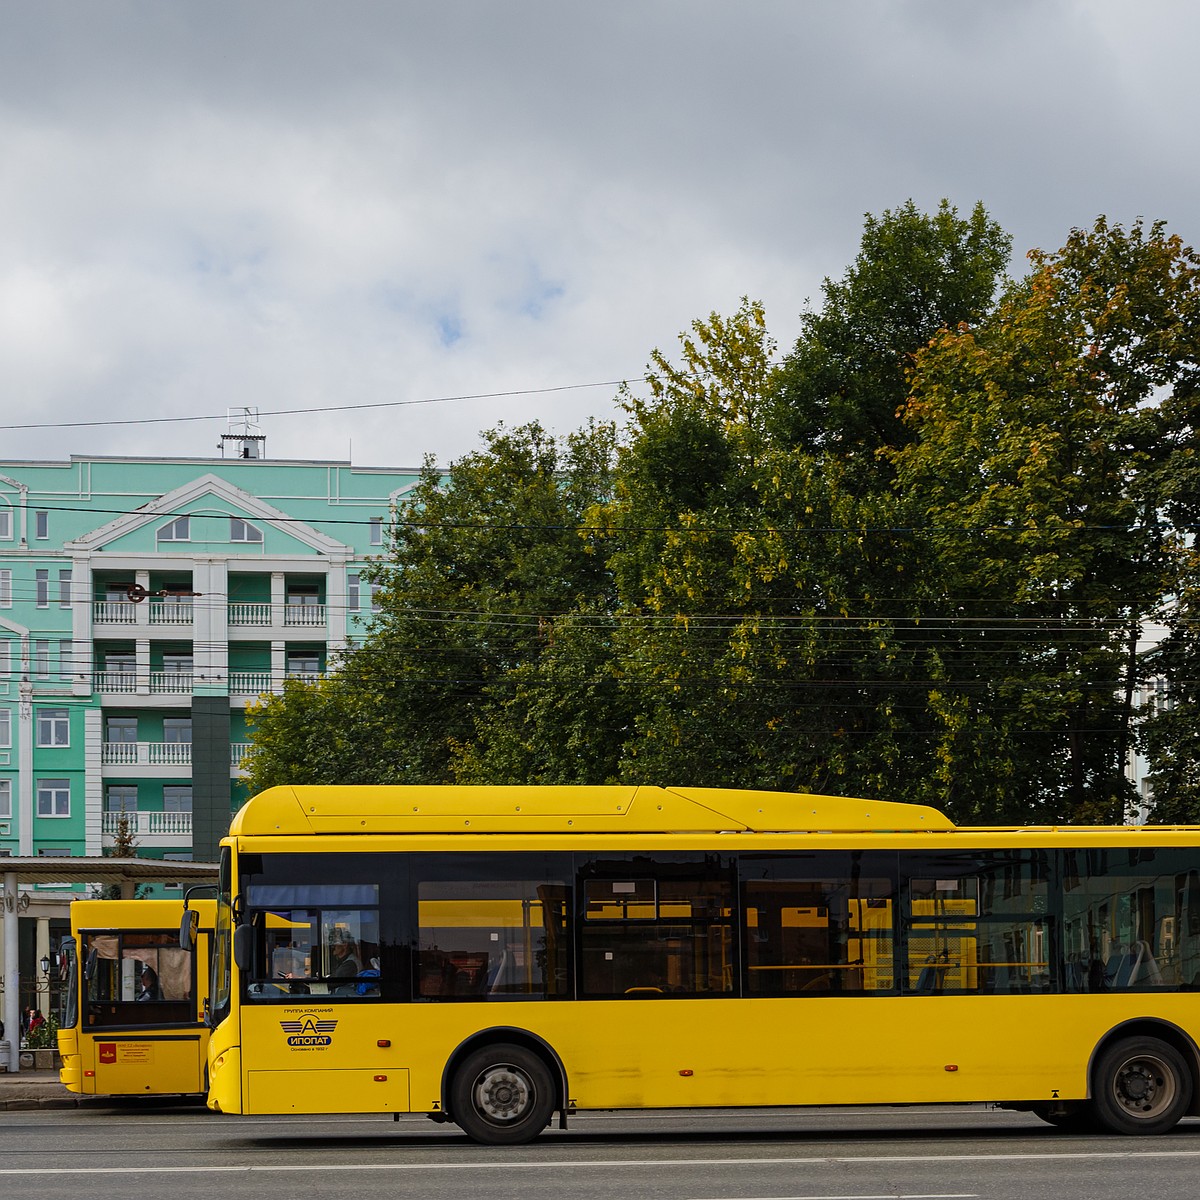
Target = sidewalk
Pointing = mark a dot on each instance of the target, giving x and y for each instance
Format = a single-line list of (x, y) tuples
[(35, 1089)]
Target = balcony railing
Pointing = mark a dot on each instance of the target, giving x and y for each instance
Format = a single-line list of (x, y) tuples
[(237, 754), (249, 683), (304, 614), (170, 612), (149, 824), (249, 614), (241, 683), (171, 681), (147, 754), (115, 681), (114, 612), (308, 616)]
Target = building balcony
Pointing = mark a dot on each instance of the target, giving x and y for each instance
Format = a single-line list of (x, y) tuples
[(114, 612), (148, 759), (266, 616), (125, 612), (151, 828), (249, 683), (147, 754), (157, 683)]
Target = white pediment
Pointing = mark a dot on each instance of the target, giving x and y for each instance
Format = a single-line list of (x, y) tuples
[(202, 495)]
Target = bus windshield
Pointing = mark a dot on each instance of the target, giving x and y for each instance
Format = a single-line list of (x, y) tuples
[(69, 965), (222, 942)]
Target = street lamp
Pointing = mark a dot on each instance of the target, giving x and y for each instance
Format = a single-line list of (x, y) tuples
[(45, 964)]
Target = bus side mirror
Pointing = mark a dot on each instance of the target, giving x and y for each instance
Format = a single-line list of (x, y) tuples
[(243, 947), (188, 928)]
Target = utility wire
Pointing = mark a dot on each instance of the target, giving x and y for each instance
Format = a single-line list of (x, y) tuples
[(290, 412)]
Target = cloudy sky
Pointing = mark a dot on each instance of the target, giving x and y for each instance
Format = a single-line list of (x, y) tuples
[(297, 205)]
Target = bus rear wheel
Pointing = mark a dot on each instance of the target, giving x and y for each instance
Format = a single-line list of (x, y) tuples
[(502, 1095), (1142, 1085)]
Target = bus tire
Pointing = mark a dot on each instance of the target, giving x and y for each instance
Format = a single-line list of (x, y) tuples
[(1141, 1085), (502, 1095)]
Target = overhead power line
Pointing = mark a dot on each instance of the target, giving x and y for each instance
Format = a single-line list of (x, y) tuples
[(339, 408)]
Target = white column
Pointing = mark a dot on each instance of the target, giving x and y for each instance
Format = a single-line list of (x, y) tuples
[(278, 599), (25, 761), (93, 781), (12, 979)]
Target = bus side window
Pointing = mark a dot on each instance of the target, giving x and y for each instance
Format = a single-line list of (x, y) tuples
[(485, 938), (657, 928), (977, 922), (818, 923)]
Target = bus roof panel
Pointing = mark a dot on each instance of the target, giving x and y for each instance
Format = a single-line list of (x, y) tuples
[(565, 809)]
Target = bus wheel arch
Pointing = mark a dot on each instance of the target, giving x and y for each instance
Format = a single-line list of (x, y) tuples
[(533, 1059), (1142, 1077)]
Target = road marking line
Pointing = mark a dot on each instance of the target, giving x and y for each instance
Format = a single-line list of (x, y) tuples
[(558, 1163)]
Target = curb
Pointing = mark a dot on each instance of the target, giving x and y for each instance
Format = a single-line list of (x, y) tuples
[(37, 1102)]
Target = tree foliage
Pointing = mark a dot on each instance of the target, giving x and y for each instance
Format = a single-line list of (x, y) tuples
[(910, 559)]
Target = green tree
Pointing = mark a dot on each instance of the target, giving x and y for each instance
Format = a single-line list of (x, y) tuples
[(124, 845), (1029, 472), (842, 387), (483, 563)]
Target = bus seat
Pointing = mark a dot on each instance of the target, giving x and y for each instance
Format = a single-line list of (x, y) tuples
[(1118, 968)]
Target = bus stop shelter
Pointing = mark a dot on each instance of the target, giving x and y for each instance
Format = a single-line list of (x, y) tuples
[(127, 873)]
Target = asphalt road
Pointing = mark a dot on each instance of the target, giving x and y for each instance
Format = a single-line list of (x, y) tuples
[(146, 1152)]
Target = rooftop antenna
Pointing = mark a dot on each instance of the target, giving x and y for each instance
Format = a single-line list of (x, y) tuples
[(244, 439)]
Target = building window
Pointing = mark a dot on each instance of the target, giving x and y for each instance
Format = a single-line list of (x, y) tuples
[(352, 583), (64, 588), (303, 597), (41, 525), (6, 523), (243, 531), (179, 530), (66, 657), (43, 588), (121, 729), (5, 661), (5, 799), (177, 664), (303, 662), (177, 799), (372, 599), (121, 798), (177, 731), (6, 589), (53, 797), (5, 728), (54, 852), (376, 526), (53, 727), (41, 658)]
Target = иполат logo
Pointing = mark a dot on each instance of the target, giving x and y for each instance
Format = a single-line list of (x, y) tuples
[(309, 1030)]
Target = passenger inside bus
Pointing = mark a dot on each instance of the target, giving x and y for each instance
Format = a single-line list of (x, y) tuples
[(148, 985)]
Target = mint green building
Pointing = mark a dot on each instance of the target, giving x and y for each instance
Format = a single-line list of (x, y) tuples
[(143, 603)]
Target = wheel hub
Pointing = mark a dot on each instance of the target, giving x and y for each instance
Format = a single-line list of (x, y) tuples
[(1142, 1087), (502, 1094)]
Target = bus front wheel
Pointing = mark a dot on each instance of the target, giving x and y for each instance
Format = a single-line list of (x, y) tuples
[(502, 1095), (1142, 1085)]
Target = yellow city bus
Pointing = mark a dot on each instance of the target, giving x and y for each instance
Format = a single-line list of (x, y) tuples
[(133, 1017), (493, 956)]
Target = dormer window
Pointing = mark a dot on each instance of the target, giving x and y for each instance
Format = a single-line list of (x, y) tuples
[(179, 530), (243, 531)]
